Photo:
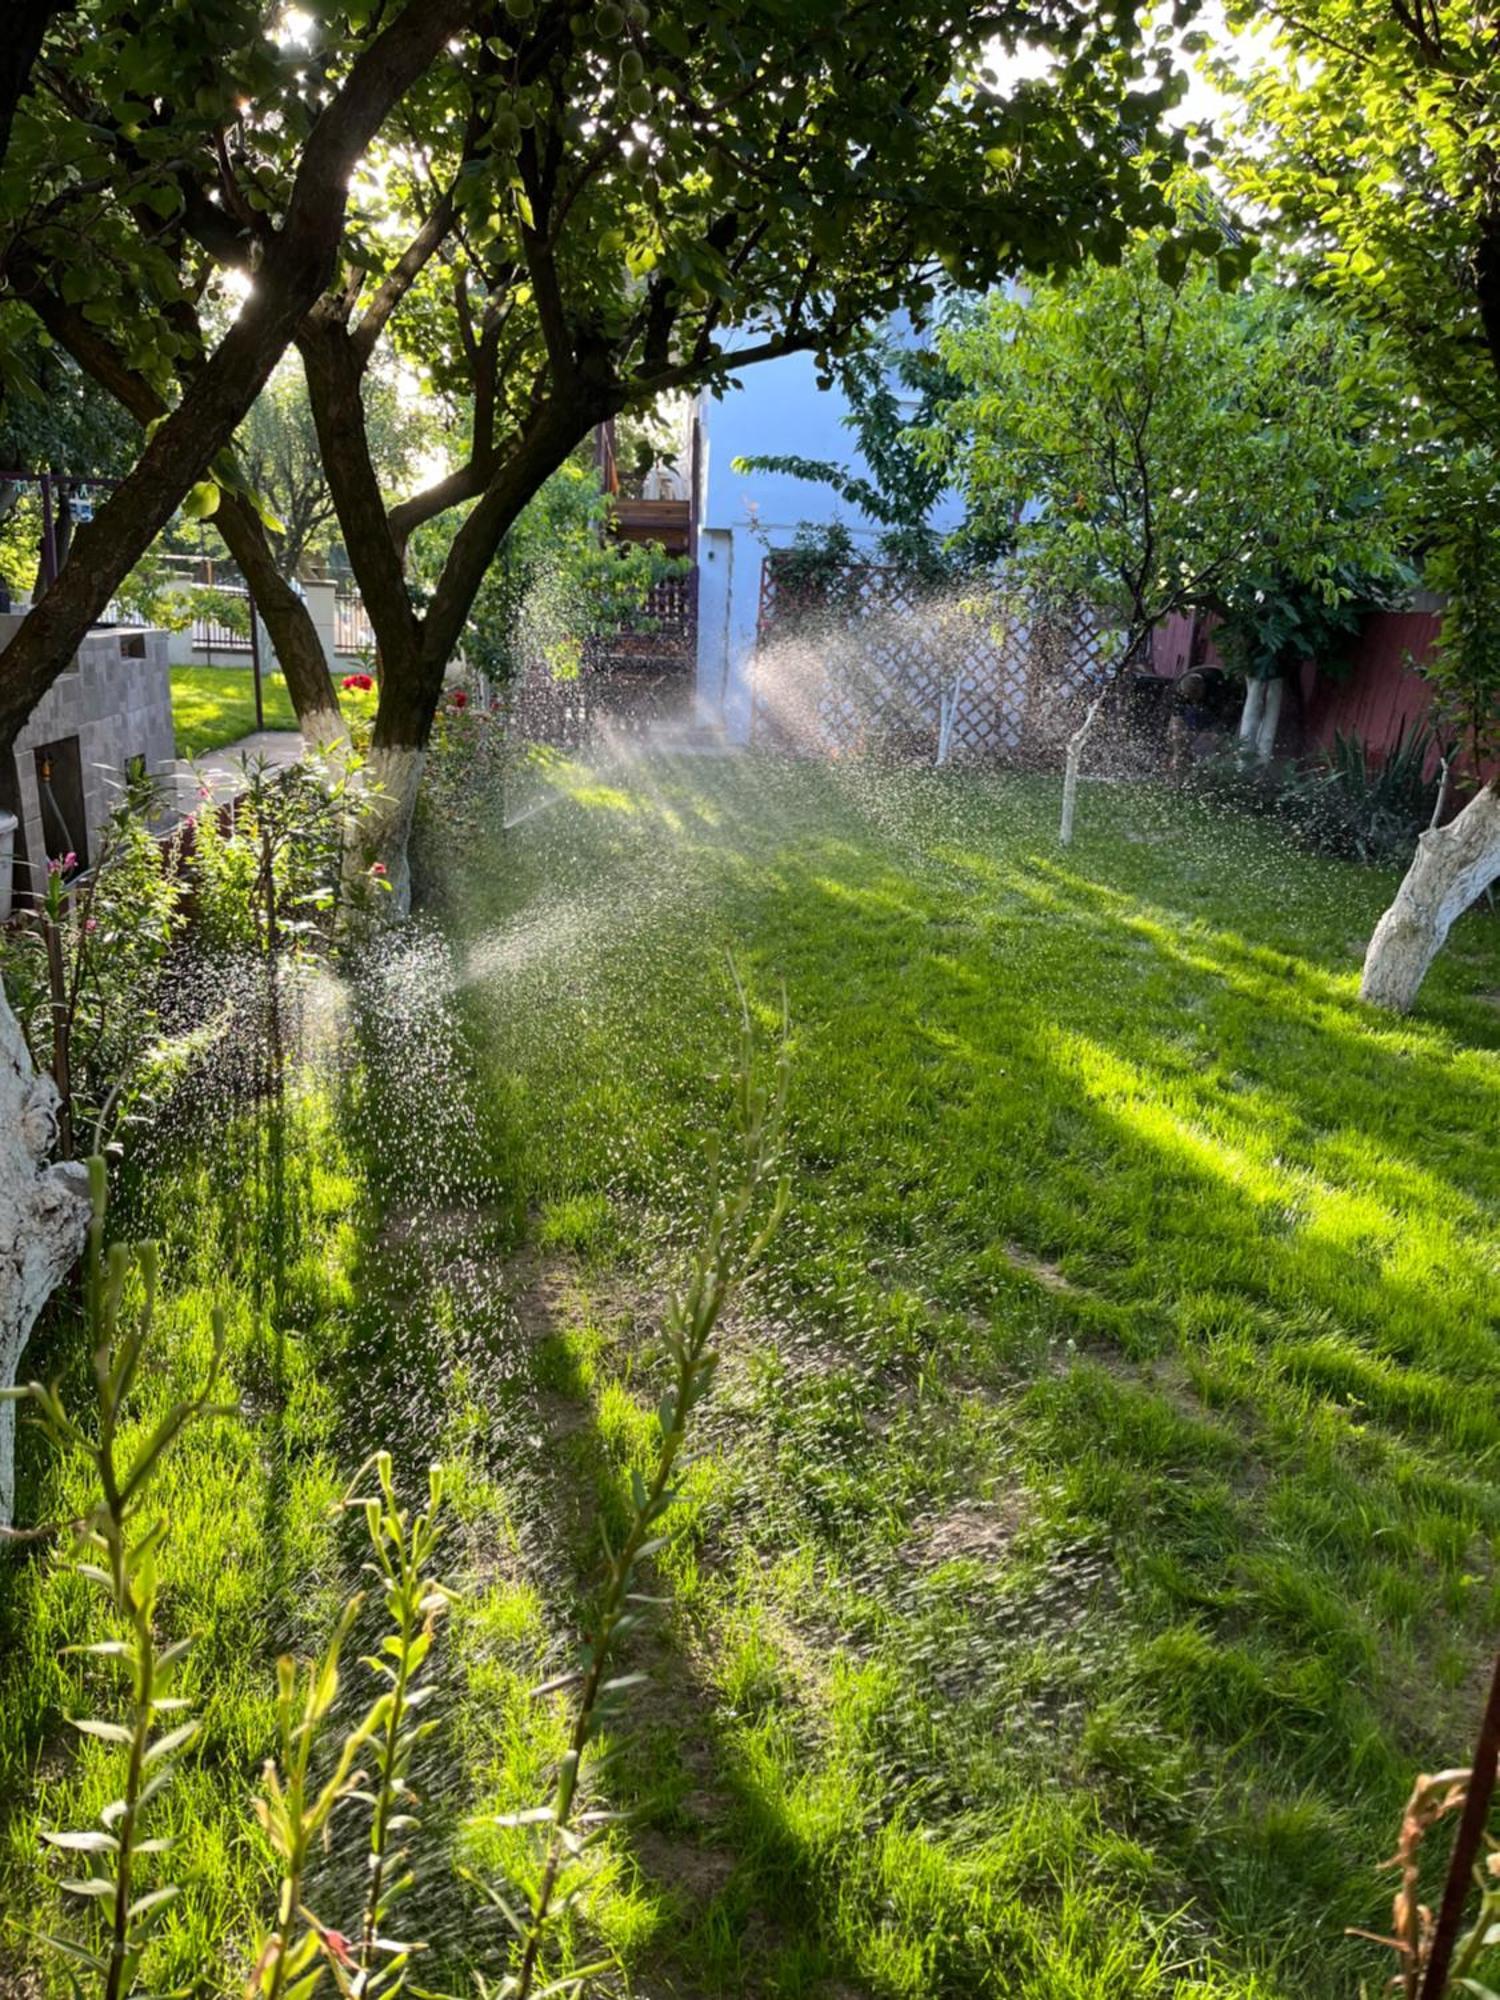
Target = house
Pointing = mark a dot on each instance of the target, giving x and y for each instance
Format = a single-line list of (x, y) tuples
[(776, 409)]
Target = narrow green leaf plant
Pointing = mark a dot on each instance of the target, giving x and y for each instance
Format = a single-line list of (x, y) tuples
[(297, 1810), (121, 1871)]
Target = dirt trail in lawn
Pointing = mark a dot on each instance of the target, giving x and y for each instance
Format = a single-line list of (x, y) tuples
[(1093, 1526)]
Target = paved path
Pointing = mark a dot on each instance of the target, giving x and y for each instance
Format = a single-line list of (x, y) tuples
[(222, 770)]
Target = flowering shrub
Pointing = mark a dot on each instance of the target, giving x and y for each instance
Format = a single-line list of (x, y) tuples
[(467, 757), (268, 877), (84, 969)]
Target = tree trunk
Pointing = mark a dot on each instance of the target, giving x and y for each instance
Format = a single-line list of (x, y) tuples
[(390, 780), (1072, 767), (1453, 864), (1259, 719), (25, 25), (413, 652), (44, 1215), (295, 270), (285, 615), (109, 546), (62, 522)]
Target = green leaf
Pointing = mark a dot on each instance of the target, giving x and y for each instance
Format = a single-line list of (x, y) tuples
[(202, 501), (107, 1732), (154, 1901), (75, 1952), (165, 1745)]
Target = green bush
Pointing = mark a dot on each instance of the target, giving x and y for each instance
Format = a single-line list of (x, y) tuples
[(1349, 801)]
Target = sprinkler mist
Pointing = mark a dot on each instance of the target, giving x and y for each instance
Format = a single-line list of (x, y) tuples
[(571, 892)]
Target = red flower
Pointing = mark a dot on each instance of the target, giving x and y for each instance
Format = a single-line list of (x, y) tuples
[(338, 1945), (378, 868), (460, 698), (364, 682)]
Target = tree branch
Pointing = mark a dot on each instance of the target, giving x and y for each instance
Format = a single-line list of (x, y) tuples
[(401, 276), (333, 386), (296, 268)]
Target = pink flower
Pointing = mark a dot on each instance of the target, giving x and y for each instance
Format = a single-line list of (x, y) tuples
[(92, 924), (337, 1945), (64, 867), (460, 698), (378, 868)]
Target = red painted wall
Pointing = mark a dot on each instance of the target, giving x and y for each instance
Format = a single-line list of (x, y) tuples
[(1382, 694)]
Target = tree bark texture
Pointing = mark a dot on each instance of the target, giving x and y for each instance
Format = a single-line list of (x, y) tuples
[(1453, 864), (296, 268), (44, 1216)]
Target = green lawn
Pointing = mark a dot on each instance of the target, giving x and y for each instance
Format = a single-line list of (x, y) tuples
[(1094, 1524), (212, 706)]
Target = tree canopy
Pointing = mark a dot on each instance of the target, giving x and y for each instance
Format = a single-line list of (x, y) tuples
[(634, 202), (278, 454), (1366, 138), (122, 147), (576, 210), (1156, 447)]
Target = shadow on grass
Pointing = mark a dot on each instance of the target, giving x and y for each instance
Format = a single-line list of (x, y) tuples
[(1228, 1167)]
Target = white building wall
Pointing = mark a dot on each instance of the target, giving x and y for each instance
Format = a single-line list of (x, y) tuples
[(778, 410)]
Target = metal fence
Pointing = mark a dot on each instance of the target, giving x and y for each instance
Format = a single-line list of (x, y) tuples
[(212, 628), (352, 631)]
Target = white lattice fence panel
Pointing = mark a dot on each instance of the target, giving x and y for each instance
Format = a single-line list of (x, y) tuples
[(874, 664)]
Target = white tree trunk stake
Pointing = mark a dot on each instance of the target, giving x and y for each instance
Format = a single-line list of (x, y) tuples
[(44, 1218), (1453, 865), (1072, 766), (947, 716)]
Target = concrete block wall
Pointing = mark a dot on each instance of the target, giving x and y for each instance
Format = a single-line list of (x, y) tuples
[(116, 700)]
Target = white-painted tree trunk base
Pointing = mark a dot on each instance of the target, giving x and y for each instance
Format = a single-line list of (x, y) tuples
[(326, 732), (381, 836), (1072, 770), (947, 717), (44, 1218), (1270, 718), (1453, 864), (1259, 719)]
